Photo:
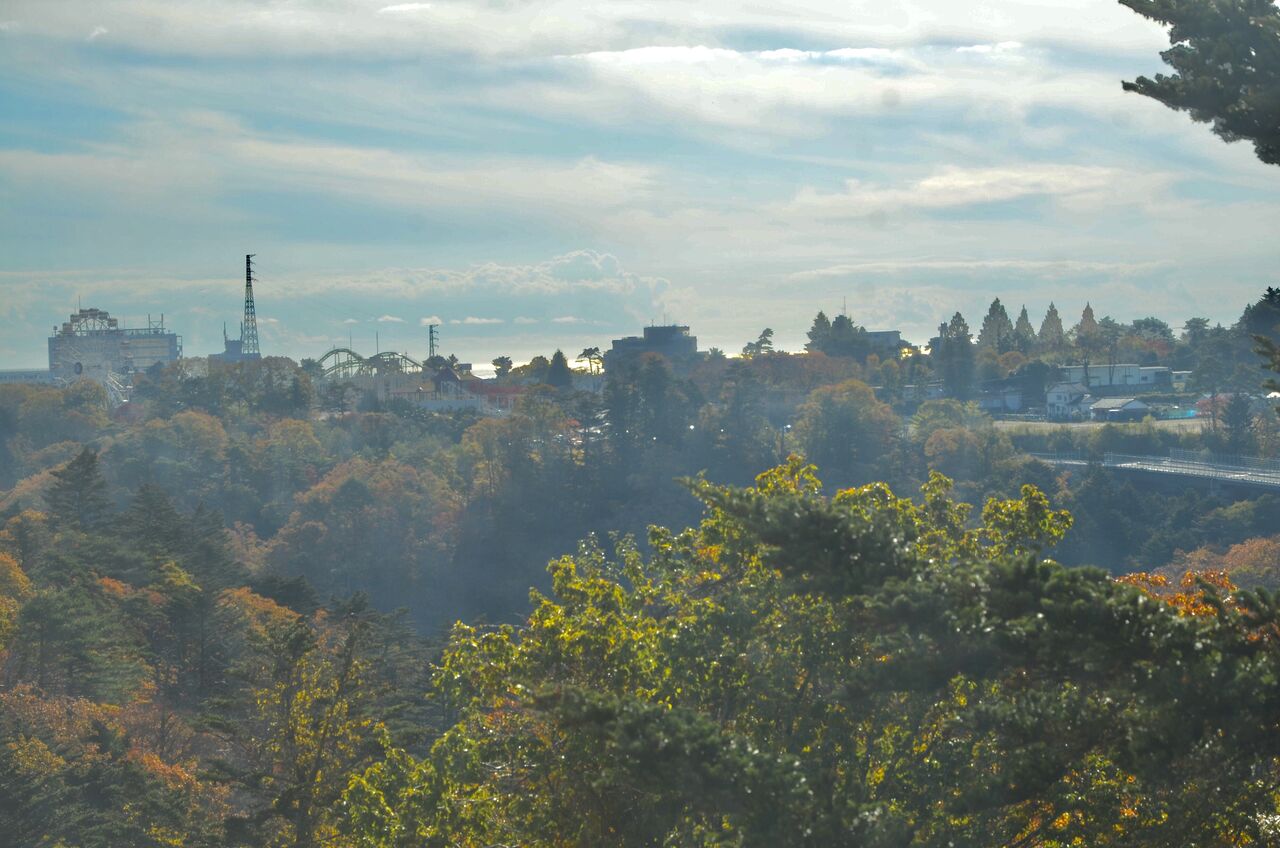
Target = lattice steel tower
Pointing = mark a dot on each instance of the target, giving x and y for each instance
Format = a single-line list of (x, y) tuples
[(249, 330)]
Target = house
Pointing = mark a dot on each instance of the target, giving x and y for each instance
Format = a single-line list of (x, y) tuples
[(1001, 400), (1067, 402), (1119, 409)]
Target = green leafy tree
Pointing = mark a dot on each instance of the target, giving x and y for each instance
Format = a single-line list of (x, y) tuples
[(845, 429)]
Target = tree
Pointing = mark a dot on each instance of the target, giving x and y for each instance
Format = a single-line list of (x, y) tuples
[(558, 372), (763, 344), (1052, 337), (78, 497), (1226, 61), (955, 357), (819, 334), (846, 429), (1024, 335), (1195, 330), (593, 358), (1238, 425), (502, 366), (997, 330)]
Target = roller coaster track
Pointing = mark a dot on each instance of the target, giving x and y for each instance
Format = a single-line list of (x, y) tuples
[(343, 362)]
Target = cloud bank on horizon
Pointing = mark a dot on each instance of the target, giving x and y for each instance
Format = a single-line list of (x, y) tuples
[(538, 174)]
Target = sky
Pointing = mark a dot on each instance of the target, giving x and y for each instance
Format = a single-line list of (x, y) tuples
[(534, 175)]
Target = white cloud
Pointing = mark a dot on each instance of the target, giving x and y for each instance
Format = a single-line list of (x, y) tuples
[(96, 33), (389, 319), (429, 320), (351, 321), (322, 27), (470, 319), (567, 319), (955, 187), (399, 8), (524, 320)]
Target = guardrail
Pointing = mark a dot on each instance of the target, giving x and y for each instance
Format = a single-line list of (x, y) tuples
[(1248, 470)]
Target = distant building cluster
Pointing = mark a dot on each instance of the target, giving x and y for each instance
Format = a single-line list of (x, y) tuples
[(92, 345)]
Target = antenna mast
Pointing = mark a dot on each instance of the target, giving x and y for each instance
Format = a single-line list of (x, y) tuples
[(249, 333), (432, 340)]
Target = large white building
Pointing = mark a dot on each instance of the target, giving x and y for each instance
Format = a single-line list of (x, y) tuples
[(92, 345), (1102, 375)]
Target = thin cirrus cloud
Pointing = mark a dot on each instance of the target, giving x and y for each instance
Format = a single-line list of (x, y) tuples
[(389, 319)]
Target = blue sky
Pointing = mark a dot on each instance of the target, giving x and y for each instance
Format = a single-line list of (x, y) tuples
[(535, 175)]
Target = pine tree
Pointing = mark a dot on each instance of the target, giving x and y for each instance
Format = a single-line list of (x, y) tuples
[(847, 339), (997, 329), (819, 334), (558, 373), (1052, 337), (1024, 335), (78, 497), (955, 357)]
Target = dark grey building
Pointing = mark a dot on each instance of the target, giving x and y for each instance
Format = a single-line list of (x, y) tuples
[(671, 341)]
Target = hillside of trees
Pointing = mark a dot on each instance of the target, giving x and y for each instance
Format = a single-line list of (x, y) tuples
[(231, 616)]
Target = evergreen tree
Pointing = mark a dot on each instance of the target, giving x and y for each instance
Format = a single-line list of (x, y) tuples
[(558, 372), (502, 366), (1024, 334), (955, 357), (1238, 425), (78, 497), (997, 330), (1225, 65), (847, 339), (1052, 337), (763, 344), (819, 334), (1088, 325)]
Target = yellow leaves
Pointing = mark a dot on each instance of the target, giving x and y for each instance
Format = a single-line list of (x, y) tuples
[(34, 758), (14, 583), (711, 553), (1190, 596), (1061, 822)]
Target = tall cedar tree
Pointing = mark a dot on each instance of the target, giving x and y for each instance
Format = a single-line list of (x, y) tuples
[(955, 357), (997, 329), (1052, 337), (78, 497), (1024, 335)]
